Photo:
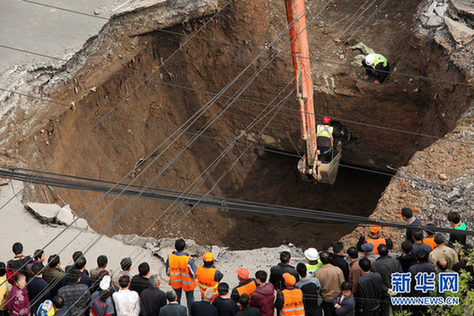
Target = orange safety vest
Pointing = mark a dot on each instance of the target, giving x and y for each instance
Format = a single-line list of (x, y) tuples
[(247, 288), (292, 303), (180, 277), (430, 242), (205, 280), (376, 242)]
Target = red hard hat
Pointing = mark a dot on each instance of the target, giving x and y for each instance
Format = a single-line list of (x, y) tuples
[(326, 119)]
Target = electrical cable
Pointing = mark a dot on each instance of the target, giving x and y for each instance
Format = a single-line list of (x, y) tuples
[(224, 203)]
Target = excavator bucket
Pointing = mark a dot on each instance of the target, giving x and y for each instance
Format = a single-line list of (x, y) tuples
[(327, 172)]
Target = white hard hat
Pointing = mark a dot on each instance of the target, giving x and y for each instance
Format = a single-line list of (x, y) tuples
[(311, 254), (369, 59)]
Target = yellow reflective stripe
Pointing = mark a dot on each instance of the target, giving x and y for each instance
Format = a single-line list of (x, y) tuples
[(208, 287), (181, 274), (322, 131), (292, 309), (379, 59)]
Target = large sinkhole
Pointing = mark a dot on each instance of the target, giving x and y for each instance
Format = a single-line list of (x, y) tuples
[(150, 114)]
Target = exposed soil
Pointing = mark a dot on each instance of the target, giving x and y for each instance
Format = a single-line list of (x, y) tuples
[(116, 145)]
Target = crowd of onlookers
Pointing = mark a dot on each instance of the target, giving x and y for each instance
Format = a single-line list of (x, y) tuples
[(355, 282)]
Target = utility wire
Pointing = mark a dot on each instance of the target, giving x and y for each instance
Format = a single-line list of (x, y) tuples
[(224, 203)]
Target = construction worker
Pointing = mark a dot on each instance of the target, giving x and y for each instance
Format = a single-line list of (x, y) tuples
[(429, 240), (182, 272), (246, 285), (375, 239), (324, 139), (313, 263), (289, 301), (208, 277), (376, 65)]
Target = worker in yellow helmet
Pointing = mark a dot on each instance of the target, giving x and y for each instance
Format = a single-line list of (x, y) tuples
[(376, 65), (324, 140), (208, 277)]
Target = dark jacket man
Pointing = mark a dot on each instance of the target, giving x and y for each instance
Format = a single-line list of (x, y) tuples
[(141, 281), (310, 287), (173, 309), (411, 220), (344, 303), (370, 290), (204, 307), (277, 271), (75, 295), (385, 266), (246, 310), (224, 304), (152, 298), (38, 290), (338, 259)]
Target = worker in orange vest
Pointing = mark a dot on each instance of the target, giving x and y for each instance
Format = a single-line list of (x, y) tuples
[(429, 240), (182, 272), (208, 277), (289, 301), (375, 239), (246, 285)]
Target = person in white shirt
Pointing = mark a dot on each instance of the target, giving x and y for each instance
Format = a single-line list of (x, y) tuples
[(127, 303)]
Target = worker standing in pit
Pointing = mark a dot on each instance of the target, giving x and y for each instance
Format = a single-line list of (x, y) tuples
[(324, 139), (376, 65)]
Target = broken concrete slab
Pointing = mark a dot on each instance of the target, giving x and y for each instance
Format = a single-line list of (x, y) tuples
[(165, 247), (81, 224), (460, 32), (65, 215), (46, 213)]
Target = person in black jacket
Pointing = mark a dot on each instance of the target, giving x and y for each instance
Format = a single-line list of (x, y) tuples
[(407, 259), (224, 304), (338, 258), (244, 300), (277, 271), (344, 303), (311, 288), (204, 307), (141, 281), (385, 266), (17, 265), (408, 217), (152, 298), (173, 308), (370, 291), (38, 289)]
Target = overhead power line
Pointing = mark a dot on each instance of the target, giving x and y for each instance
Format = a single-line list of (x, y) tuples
[(221, 203)]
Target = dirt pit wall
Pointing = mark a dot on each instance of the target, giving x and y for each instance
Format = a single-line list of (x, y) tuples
[(178, 89)]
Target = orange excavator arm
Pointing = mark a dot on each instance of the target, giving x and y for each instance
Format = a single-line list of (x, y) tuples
[(296, 14)]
